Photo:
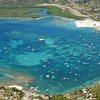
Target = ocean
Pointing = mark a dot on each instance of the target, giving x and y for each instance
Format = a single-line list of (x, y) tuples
[(51, 53)]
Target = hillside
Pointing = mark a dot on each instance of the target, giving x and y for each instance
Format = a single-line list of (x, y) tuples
[(34, 2)]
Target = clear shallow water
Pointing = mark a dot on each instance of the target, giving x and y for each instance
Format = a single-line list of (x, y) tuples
[(60, 56)]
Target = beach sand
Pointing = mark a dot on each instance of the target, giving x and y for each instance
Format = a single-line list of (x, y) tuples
[(88, 23)]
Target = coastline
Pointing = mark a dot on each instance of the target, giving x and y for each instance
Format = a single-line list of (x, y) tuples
[(23, 18), (87, 93), (73, 11), (84, 23), (87, 84), (88, 23)]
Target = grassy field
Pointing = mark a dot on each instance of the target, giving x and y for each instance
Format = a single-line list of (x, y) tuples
[(52, 10), (18, 12), (23, 11)]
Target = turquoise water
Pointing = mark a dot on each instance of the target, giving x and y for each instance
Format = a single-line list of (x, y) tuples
[(58, 55)]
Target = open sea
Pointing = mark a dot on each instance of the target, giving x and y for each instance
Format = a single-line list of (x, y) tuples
[(52, 51)]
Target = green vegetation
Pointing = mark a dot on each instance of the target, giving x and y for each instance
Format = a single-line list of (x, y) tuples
[(10, 94), (23, 11), (95, 91), (52, 10), (18, 12), (92, 93), (59, 97)]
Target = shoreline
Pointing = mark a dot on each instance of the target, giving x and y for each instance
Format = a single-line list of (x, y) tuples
[(84, 23), (23, 18), (87, 84), (73, 11), (88, 23), (84, 92)]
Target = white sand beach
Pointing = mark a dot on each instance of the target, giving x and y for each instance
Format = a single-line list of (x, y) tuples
[(88, 23)]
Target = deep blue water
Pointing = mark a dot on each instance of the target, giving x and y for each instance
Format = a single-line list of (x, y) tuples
[(68, 58)]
